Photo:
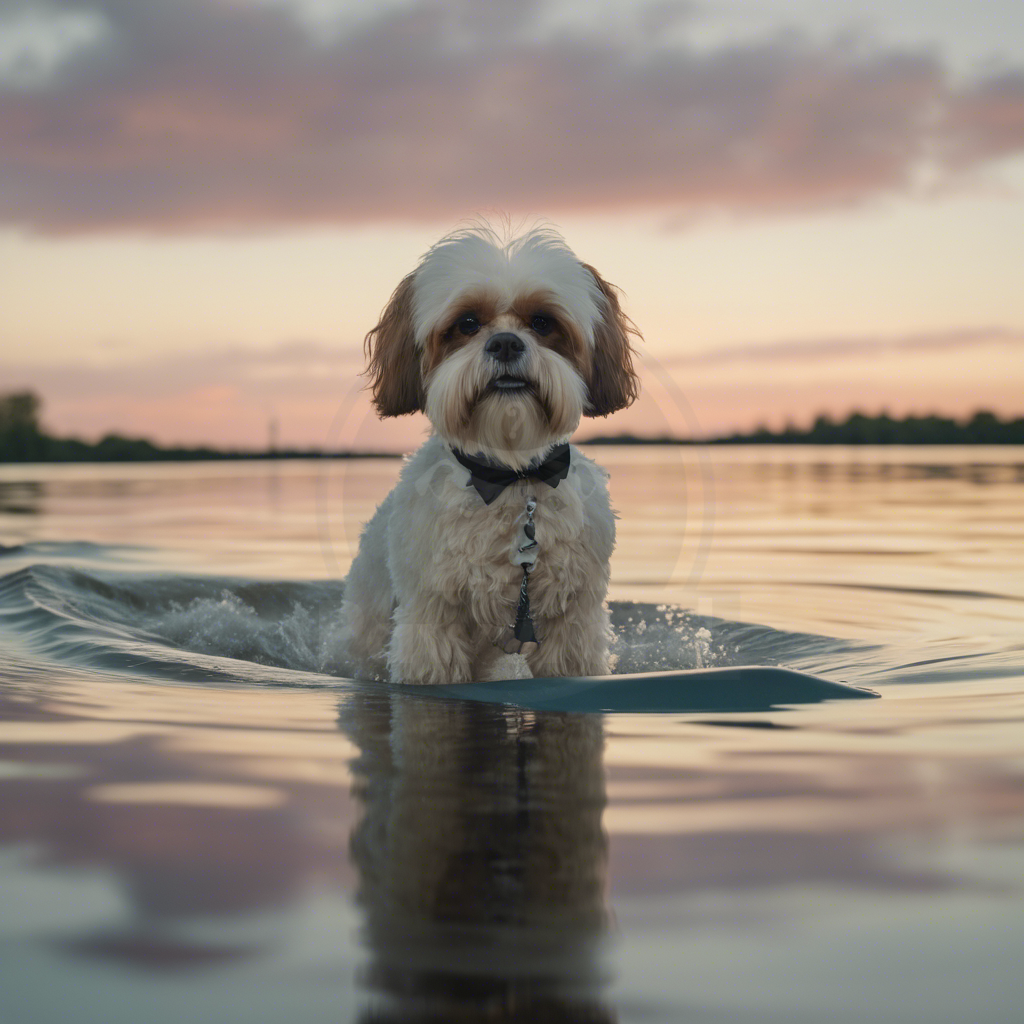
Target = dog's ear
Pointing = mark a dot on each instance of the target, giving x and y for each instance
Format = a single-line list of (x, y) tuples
[(612, 383), (394, 367)]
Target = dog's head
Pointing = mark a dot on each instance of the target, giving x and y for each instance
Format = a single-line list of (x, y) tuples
[(503, 344)]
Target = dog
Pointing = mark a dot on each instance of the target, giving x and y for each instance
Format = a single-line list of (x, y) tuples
[(490, 558)]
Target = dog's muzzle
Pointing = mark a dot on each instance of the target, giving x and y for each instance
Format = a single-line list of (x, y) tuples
[(507, 351), (505, 347)]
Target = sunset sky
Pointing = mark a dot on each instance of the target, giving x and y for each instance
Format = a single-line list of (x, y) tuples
[(811, 205)]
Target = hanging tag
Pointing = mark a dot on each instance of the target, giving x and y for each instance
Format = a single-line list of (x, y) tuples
[(523, 629)]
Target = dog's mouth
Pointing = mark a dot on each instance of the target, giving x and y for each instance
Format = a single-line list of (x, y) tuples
[(508, 382)]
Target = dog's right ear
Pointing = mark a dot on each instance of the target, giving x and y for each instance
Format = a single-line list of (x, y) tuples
[(394, 367), (613, 383)]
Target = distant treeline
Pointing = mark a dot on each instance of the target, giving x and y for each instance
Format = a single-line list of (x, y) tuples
[(22, 439), (981, 428)]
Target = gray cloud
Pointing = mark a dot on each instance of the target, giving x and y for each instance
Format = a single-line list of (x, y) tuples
[(201, 114)]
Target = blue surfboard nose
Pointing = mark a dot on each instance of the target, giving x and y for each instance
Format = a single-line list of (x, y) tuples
[(743, 688)]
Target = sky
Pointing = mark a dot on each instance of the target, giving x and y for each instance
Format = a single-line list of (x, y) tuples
[(809, 206)]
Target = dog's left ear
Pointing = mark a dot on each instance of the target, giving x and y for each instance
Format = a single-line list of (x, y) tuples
[(394, 368), (612, 383)]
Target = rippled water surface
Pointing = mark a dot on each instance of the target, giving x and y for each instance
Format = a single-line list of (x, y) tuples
[(202, 818)]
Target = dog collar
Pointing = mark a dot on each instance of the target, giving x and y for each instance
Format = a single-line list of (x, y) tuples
[(491, 478)]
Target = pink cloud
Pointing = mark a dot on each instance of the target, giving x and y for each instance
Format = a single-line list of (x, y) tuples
[(986, 120), (229, 395), (207, 114)]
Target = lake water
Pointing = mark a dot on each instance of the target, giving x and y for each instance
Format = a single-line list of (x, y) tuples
[(202, 819)]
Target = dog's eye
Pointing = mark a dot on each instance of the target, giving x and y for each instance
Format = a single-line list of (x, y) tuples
[(541, 324), (467, 324)]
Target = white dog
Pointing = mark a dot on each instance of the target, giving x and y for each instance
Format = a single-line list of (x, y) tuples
[(498, 535)]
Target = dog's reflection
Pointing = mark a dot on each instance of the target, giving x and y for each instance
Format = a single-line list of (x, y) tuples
[(481, 860)]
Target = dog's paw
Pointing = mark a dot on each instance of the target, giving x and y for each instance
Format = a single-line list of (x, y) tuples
[(508, 666)]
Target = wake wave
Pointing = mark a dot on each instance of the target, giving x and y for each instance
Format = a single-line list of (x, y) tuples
[(220, 629), (224, 629)]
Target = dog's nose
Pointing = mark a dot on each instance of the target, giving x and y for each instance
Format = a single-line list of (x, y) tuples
[(505, 347)]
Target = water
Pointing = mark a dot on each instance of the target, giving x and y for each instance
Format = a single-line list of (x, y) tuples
[(201, 818)]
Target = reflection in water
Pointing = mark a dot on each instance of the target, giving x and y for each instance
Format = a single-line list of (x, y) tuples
[(170, 860), (201, 844), (21, 497), (481, 860)]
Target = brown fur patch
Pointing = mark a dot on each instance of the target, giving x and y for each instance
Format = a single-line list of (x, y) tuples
[(446, 338), (394, 363), (612, 382), (564, 337)]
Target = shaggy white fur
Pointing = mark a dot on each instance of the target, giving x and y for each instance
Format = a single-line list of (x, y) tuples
[(432, 593), (434, 589), (540, 259)]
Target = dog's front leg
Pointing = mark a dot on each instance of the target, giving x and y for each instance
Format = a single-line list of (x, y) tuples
[(575, 644), (429, 643)]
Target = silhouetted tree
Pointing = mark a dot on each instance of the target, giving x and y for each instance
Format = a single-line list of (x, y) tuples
[(21, 439)]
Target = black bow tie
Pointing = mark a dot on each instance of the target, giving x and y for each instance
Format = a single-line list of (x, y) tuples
[(491, 478)]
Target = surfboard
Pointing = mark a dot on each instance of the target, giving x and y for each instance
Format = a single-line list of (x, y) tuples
[(744, 688)]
